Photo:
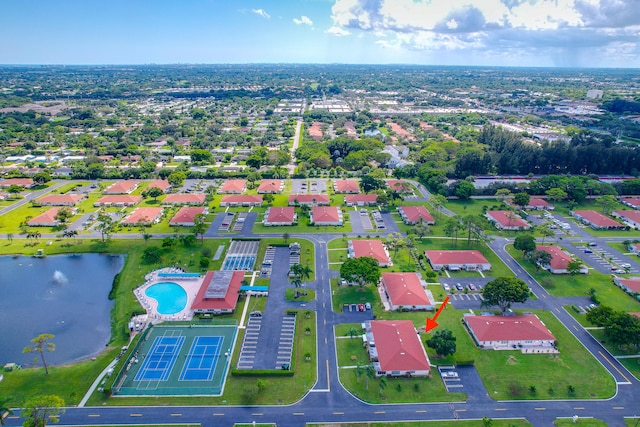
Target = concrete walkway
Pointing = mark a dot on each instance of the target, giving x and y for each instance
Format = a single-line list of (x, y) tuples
[(95, 383)]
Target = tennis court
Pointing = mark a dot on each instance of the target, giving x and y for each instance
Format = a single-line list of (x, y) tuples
[(178, 360)]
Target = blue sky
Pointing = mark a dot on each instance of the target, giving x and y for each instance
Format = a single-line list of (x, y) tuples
[(584, 33)]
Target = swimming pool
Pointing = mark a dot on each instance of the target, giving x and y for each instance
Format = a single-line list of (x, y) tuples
[(171, 297)]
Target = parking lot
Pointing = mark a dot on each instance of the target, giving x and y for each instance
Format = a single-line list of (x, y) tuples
[(303, 186)]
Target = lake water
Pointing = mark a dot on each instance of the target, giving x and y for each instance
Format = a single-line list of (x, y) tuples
[(63, 295)]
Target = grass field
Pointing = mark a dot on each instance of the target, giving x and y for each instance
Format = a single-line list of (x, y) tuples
[(351, 353), (566, 285), (509, 374), (581, 422), (70, 382), (503, 422)]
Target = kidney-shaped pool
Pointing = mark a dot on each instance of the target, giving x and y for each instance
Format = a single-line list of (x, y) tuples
[(171, 297)]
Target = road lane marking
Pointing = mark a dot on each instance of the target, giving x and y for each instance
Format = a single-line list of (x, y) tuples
[(91, 415), (501, 409), (135, 415), (257, 414), (176, 415), (298, 413), (576, 328), (613, 366), (218, 415), (579, 408), (328, 381), (540, 409), (379, 412), (338, 413), (618, 408), (421, 410)]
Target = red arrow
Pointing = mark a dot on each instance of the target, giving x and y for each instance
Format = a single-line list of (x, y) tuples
[(431, 323)]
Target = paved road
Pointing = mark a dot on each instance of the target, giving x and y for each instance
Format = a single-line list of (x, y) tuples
[(329, 402), (32, 195)]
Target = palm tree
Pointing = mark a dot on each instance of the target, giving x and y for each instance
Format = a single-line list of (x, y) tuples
[(41, 343), (5, 410), (370, 373), (352, 332), (382, 384)]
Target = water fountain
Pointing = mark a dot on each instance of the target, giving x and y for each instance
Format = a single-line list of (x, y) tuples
[(59, 277)]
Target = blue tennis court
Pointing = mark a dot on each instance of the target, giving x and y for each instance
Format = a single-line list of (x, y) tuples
[(239, 262), (202, 359), (159, 362)]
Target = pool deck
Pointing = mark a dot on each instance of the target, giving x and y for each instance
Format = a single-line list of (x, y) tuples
[(191, 286)]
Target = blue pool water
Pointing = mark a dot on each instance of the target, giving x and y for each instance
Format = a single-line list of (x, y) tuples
[(171, 297)]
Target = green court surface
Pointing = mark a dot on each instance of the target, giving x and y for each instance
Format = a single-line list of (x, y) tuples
[(178, 360)]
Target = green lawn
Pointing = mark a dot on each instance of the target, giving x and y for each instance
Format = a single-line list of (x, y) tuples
[(566, 285), (503, 422), (498, 268), (310, 295), (509, 374), (581, 422), (68, 381), (353, 295), (398, 390), (633, 365)]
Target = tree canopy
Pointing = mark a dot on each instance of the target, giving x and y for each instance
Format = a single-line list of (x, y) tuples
[(443, 342), (42, 409), (363, 270), (504, 291)]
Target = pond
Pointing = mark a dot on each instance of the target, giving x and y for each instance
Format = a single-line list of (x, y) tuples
[(63, 295)]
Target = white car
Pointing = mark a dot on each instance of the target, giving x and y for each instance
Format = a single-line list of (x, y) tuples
[(446, 287), (449, 374)]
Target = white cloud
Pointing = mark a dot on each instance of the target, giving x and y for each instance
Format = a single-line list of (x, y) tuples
[(304, 20), (261, 12), (338, 31), (498, 27)]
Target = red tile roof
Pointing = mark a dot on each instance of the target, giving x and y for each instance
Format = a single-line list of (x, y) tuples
[(281, 215), (21, 182), (370, 248), (633, 284), (456, 257), (60, 199), (633, 201), (114, 200), (233, 186), (509, 328), (46, 218), (143, 215), (195, 198), (633, 216), (508, 219), (559, 259), (534, 202), (162, 184), (309, 198), (270, 186), (360, 198), (325, 214), (346, 186), (224, 297), (398, 184), (186, 215), (398, 345), (122, 187), (405, 289), (241, 199), (416, 213), (597, 218)]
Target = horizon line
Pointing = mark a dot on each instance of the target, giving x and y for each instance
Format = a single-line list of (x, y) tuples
[(389, 64)]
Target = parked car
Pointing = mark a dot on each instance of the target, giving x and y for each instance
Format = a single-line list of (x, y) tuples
[(459, 287), (449, 374), (471, 287), (361, 307), (256, 313), (367, 306), (588, 251), (593, 244), (446, 287)]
